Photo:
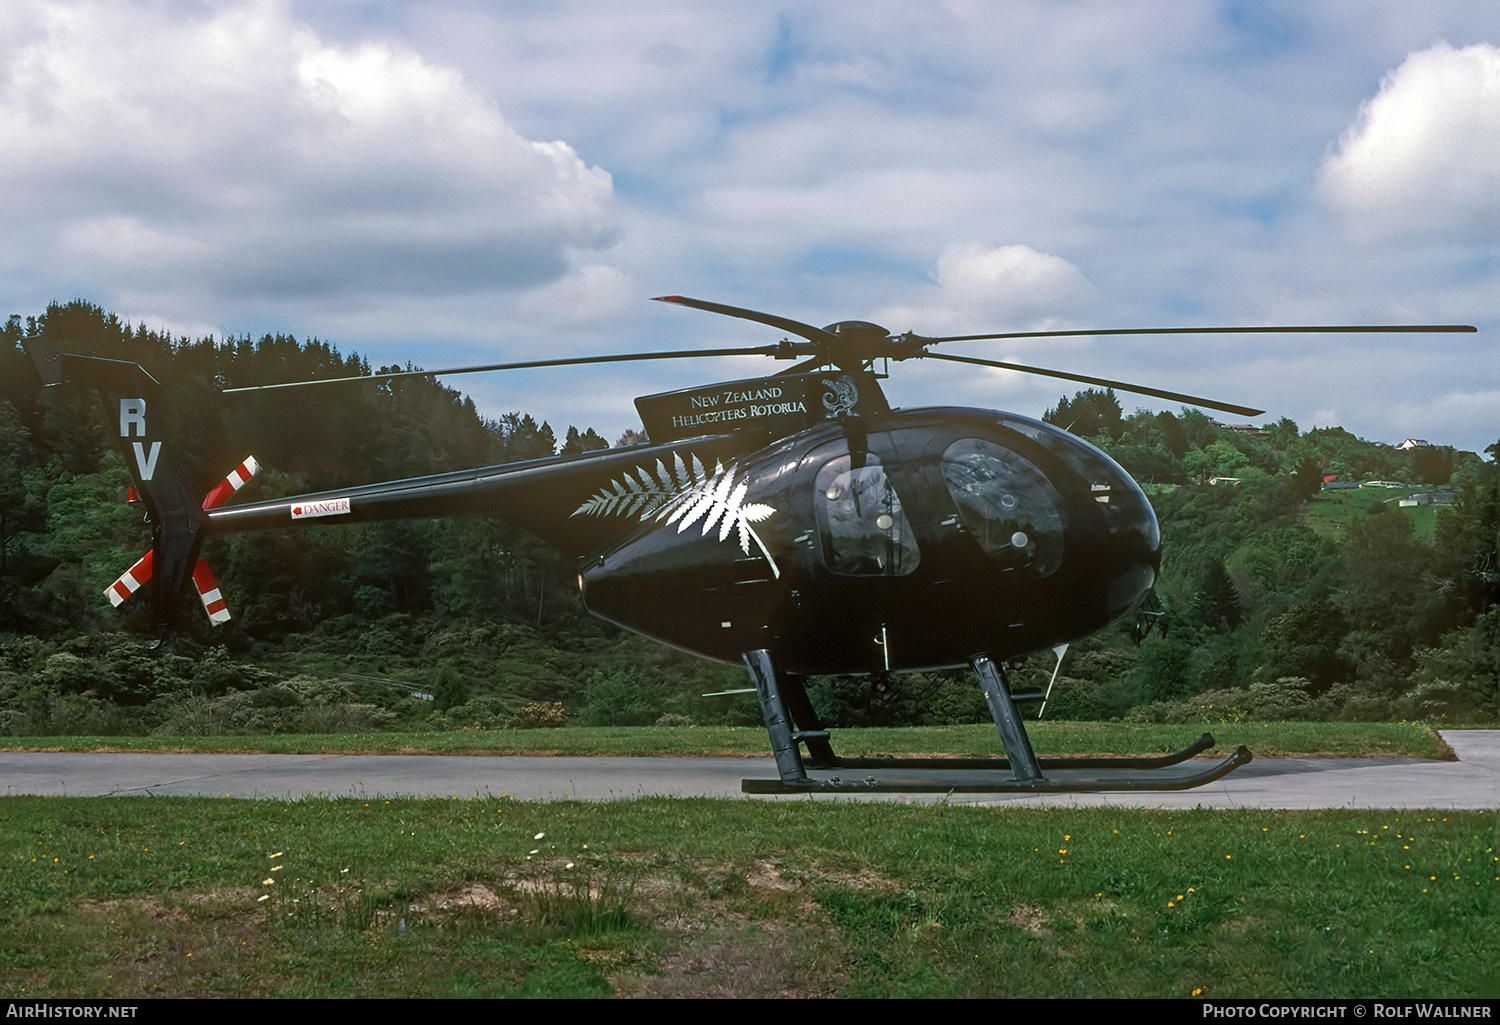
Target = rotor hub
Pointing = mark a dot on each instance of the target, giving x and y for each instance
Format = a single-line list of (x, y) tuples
[(856, 343), (861, 330)]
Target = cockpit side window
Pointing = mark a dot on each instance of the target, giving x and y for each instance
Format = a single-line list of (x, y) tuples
[(1125, 508), (864, 530), (1007, 504)]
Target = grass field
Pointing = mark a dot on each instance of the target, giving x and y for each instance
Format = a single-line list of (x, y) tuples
[(178, 897), (129, 897), (1264, 739), (1332, 513)]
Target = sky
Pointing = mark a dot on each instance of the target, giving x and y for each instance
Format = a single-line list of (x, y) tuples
[(460, 181)]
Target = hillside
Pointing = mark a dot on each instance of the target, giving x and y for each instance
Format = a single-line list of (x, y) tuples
[(1277, 597)]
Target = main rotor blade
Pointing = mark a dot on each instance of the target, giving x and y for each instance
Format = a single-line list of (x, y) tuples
[(1135, 389), (764, 350), (796, 327), (1325, 329), (804, 367)]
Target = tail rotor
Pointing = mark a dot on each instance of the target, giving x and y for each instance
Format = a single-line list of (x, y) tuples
[(203, 578)]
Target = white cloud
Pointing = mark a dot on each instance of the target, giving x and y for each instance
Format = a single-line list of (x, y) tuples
[(184, 158), (591, 294), (341, 167), (994, 288), (1423, 159), (1479, 408)]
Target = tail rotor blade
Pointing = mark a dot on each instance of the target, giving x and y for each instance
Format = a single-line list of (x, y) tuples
[(236, 479), (130, 581), (208, 593)]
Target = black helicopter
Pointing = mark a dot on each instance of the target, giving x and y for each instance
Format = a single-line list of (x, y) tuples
[(794, 523)]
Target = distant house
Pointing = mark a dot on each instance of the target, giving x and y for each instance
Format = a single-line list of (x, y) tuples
[(1249, 429), (1411, 443), (1430, 498)]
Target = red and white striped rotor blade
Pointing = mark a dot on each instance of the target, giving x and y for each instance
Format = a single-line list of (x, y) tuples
[(208, 592), (129, 581), (203, 578), (229, 485)]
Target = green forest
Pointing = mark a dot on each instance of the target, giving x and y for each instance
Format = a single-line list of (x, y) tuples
[(1280, 597)]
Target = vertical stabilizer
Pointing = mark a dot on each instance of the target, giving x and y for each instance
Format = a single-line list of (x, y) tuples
[(134, 405)]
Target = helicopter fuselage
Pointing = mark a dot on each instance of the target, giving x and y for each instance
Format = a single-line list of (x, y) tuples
[(900, 541)]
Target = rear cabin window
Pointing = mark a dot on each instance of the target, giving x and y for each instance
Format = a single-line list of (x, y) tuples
[(865, 532)]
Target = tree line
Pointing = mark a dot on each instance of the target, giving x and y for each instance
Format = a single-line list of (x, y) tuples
[(1276, 597)]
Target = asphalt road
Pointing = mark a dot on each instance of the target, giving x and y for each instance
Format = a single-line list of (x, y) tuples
[(1291, 783)]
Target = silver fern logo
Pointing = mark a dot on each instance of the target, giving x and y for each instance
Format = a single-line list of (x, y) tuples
[(683, 495)]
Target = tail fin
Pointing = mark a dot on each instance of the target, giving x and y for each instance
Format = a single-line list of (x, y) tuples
[(133, 403)]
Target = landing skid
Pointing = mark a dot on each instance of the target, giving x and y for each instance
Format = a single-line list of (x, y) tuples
[(776, 693)]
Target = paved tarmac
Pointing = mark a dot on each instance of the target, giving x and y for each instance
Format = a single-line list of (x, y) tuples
[(1472, 782)]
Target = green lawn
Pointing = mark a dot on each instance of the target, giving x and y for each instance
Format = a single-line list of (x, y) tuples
[(1263, 739), (179, 897), (1331, 513)]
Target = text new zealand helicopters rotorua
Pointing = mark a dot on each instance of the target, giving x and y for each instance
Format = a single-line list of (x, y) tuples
[(795, 523)]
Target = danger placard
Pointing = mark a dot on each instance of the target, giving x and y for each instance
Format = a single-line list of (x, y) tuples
[(330, 507)]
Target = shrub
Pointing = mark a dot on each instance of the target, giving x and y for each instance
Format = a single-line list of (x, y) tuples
[(537, 715), (622, 697)]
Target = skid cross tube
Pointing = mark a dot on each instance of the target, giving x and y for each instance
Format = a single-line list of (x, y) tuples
[(781, 694)]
